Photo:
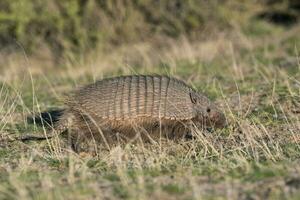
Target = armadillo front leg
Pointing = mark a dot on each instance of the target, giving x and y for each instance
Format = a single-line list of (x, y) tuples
[(180, 131), (167, 129)]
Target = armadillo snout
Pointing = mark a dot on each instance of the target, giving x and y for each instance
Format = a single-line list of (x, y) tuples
[(217, 119)]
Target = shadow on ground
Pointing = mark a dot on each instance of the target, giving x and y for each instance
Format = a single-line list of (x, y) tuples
[(278, 17), (46, 118)]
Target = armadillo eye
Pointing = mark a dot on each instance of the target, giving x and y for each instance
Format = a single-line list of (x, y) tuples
[(208, 110)]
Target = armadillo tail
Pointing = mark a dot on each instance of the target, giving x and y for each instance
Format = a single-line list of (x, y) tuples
[(61, 127)]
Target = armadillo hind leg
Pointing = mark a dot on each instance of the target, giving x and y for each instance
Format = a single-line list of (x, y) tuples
[(85, 133), (85, 140)]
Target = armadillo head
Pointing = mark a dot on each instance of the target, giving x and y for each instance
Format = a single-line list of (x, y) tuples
[(207, 113)]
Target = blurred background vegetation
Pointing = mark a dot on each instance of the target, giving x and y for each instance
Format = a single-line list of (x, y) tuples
[(72, 27)]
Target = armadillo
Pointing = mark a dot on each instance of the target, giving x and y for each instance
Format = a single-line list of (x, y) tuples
[(128, 105)]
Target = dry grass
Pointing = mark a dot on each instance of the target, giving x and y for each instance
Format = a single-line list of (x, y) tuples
[(254, 79)]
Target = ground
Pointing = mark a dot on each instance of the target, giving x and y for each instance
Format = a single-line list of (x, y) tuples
[(253, 74)]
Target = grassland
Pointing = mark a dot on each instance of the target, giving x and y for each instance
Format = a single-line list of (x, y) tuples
[(252, 71)]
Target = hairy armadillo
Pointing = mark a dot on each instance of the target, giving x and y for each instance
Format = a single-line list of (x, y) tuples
[(138, 103)]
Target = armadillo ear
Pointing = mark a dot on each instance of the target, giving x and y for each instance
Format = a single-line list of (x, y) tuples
[(193, 97)]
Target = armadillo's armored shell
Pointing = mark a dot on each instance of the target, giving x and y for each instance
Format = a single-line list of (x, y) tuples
[(130, 97)]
